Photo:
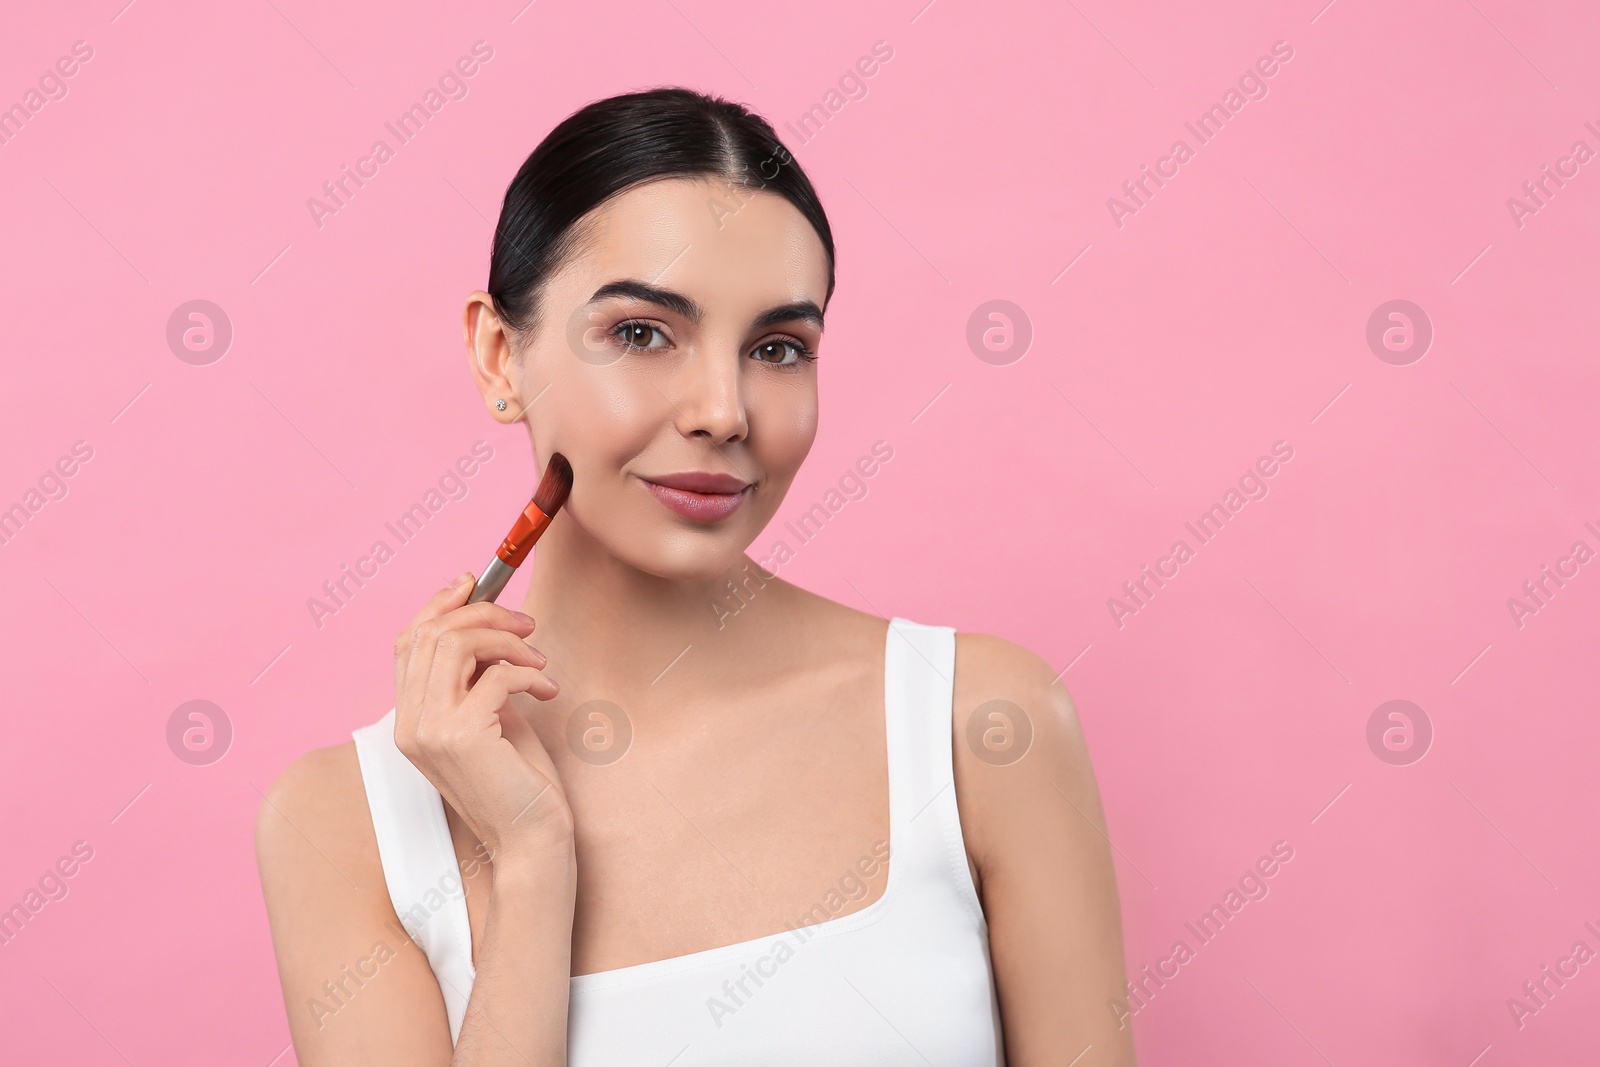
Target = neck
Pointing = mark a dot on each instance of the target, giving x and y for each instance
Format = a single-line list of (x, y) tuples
[(612, 627)]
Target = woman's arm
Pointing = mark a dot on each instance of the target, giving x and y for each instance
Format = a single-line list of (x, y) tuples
[(1036, 832), (356, 988), (518, 1011)]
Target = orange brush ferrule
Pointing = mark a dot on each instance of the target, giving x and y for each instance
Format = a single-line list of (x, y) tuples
[(524, 532)]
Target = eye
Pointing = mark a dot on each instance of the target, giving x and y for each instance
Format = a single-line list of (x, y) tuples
[(785, 353), (635, 335)]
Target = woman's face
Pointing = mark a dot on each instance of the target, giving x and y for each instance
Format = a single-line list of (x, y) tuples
[(674, 366)]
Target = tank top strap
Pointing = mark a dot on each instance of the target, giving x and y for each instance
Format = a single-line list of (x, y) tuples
[(419, 862), (925, 825)]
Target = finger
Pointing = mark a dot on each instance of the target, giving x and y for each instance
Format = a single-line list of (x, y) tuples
[(444, 680), (498, 633), (414, 652), (494, 689), (515, 728), (488, 615), (445, 599), (486, 708), (472, 647)]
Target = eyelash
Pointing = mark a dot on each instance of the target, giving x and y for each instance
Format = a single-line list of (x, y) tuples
[(803, 355)]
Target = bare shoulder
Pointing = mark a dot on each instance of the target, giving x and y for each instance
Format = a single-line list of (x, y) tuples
[(1019, 749), (316, 847), (1000, 677), (313, 826), (333, 925), (320, 775), (1035, 829)]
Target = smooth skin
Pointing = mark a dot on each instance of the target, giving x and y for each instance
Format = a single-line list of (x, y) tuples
[(756, 770)]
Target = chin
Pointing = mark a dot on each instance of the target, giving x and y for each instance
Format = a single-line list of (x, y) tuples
[(687, 556), (670, 548)]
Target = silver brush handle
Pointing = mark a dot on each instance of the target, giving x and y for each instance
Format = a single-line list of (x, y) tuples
[(494, 579)]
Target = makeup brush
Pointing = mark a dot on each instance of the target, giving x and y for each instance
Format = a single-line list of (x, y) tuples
[(547, 500)]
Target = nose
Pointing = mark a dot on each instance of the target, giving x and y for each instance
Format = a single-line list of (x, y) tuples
[(710, 402)]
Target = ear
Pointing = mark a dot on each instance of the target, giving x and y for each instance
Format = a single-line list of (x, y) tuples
[(489, 353)]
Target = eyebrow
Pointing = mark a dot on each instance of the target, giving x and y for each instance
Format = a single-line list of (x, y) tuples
[(679, 304)]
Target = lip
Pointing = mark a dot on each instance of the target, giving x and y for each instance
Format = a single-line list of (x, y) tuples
[(700, 482), (698, 495)]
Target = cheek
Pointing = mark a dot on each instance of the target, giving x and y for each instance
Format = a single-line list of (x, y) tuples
[(792, 427), (597, 418)]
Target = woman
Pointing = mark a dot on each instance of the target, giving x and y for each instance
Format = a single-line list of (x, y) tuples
[(711, 817)]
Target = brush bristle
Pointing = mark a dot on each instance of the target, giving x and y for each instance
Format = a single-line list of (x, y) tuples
[(554, 486)]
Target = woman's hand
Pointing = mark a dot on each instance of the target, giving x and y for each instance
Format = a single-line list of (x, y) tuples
[(455, 721), (323, 880)]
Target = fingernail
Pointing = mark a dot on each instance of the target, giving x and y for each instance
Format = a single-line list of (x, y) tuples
[(524, 616)]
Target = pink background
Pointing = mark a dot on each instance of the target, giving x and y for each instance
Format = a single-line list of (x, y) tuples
[(1228, 313)]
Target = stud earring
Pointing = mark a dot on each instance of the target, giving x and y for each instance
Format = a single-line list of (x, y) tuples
[(500, 405)]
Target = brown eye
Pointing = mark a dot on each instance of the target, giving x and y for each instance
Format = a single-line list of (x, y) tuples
[(782, 352), (637, 335)]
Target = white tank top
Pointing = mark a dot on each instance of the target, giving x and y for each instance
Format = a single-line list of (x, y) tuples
[(906, 980)]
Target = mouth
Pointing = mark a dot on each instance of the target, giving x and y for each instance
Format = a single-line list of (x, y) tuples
[(703, 498)]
